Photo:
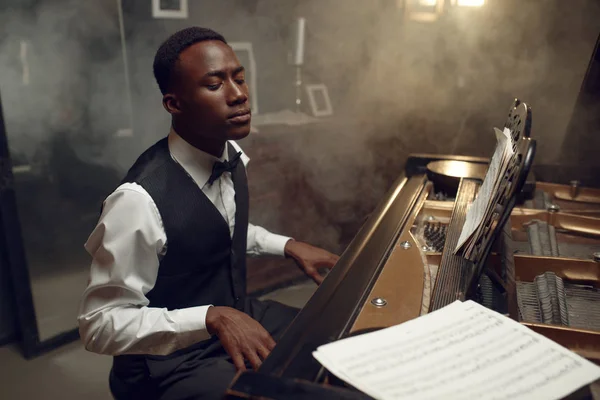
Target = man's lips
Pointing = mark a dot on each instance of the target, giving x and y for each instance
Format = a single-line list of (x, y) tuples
[(240, 117)]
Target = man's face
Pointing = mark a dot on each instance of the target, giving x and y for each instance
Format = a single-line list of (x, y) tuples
[(211, 92)]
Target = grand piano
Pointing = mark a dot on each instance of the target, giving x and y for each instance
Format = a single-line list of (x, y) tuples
[(536, 259)]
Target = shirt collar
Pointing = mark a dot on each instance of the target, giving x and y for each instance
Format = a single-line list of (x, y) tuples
[(196, 162)]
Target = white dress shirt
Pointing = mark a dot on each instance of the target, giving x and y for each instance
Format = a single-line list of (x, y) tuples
[(127, 245)]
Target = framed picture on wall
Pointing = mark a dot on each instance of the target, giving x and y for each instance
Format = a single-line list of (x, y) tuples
[(318, 96), (245, 54), (177, 9)]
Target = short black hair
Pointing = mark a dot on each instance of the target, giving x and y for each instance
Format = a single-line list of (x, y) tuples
[(168, 53)]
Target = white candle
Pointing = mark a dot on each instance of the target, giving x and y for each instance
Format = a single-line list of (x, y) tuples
[(300, 32)]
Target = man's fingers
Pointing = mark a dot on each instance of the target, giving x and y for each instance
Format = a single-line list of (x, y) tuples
[(238, 361), (270, 343), (317, 278), (314, 274), (328, 262), (253, 358), (263, 352)]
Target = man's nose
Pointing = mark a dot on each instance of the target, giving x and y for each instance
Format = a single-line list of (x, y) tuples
[(237, 94)]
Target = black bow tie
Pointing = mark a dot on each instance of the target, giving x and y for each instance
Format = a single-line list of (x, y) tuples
[(223, 166)]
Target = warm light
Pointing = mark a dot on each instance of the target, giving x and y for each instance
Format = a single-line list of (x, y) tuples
[(422, 10), (470, 3)]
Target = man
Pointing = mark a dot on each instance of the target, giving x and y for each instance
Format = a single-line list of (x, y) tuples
[(167, 293)]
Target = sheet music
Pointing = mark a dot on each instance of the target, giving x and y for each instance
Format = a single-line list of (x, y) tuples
[(496, 169), (462, 351)]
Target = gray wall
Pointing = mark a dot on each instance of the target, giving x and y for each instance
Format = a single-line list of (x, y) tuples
[(452, 79), (265, 23), (441, 87)]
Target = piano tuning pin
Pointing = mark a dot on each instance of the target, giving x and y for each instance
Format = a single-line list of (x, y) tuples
[(575, 188)]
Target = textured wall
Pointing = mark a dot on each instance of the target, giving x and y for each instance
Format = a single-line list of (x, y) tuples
[(433, 86), (263, 23), (442, 86)]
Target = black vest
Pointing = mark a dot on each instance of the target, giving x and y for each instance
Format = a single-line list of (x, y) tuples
[(203, 264)]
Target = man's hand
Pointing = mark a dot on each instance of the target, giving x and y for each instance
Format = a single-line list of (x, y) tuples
[(242, 337), (310, 258)]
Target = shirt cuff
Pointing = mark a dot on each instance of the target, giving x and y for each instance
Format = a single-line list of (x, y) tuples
[(275, 244), (192, 325)]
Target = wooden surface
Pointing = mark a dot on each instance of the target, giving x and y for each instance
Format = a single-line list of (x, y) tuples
[(400, 284)]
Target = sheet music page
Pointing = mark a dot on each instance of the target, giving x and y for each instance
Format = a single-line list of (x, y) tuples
[(490, 209), (462, 351), (496, 169)]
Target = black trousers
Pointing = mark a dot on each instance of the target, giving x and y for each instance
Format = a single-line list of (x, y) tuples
[(205, 372)]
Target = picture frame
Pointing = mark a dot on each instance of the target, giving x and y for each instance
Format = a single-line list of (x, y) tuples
[(245, 54), (160, 11), (318, 97)]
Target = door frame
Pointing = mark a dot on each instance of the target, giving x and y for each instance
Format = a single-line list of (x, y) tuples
[(12, 244)]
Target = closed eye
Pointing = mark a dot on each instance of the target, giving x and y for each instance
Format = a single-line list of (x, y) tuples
[(214, 87)]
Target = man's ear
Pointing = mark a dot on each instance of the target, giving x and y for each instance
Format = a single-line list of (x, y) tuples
[(171, 104)]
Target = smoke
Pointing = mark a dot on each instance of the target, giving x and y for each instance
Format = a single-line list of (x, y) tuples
[(397, 85), (401, 86), (457, 75), (60, 63)]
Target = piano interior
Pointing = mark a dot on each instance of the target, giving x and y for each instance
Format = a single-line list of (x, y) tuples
[(537, 261), (542, 269), (555, 242)]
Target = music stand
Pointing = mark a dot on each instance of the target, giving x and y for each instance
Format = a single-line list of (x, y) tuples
[(459, 277)]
